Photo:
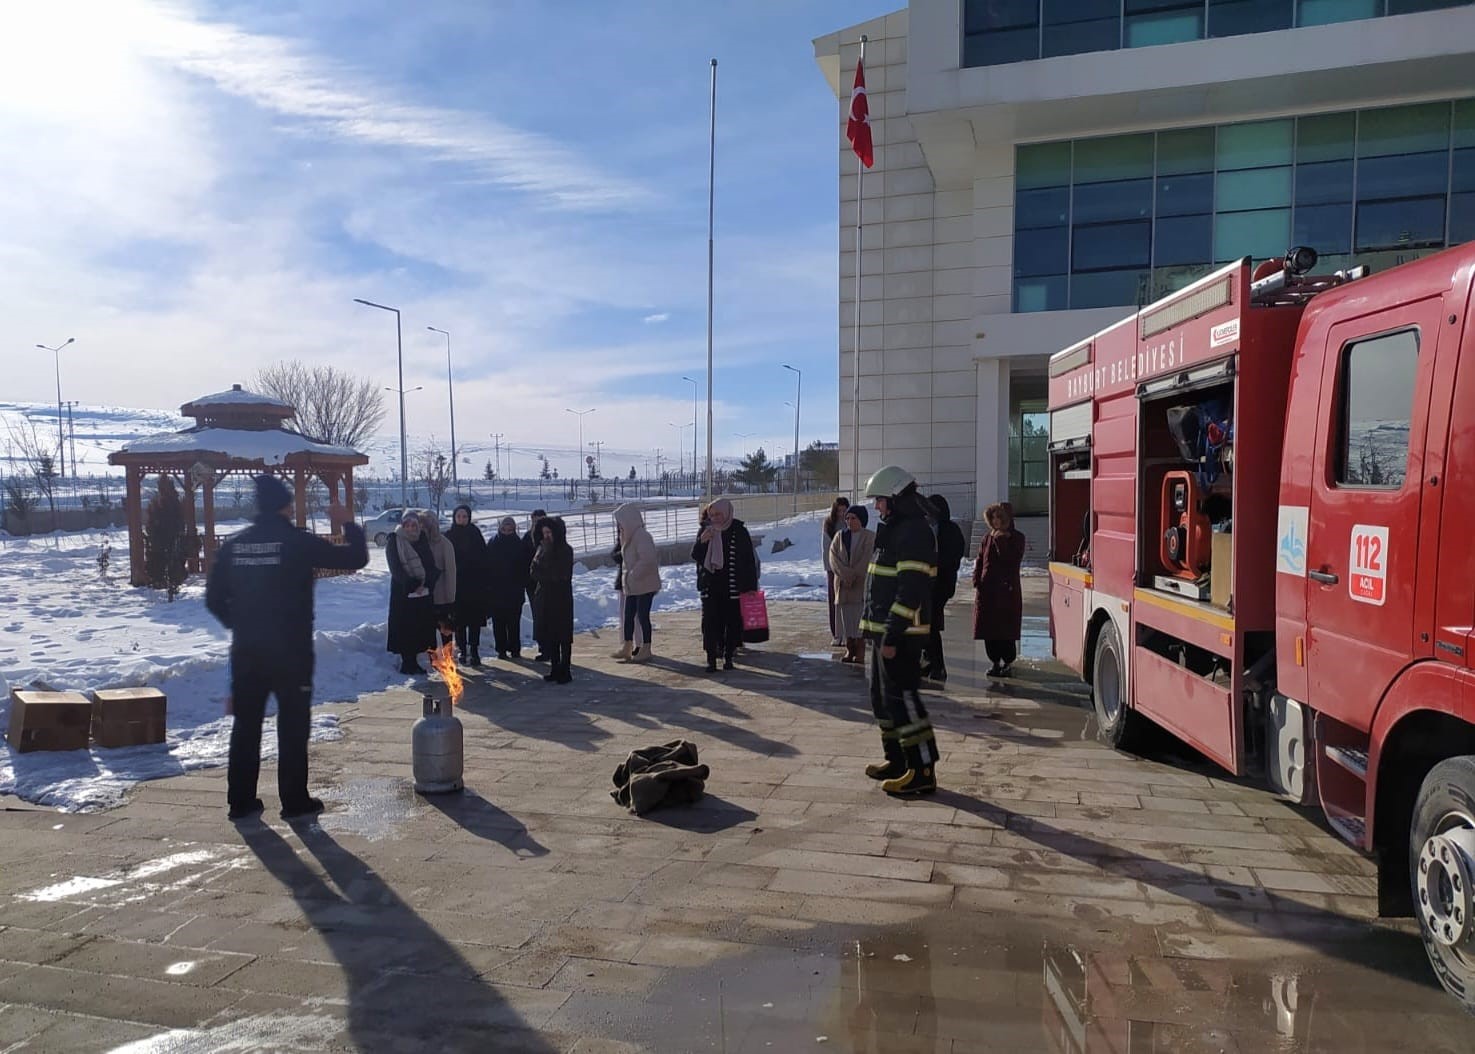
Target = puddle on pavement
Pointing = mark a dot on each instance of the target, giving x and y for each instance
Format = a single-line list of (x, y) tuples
[(1022, 987), (370, 808)]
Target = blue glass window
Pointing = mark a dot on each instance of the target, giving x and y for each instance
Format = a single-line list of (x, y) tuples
[(1120, 220), (1122, 200), (1042, 252), (1228, 18), (1072, 27), (1185, 240), (1325, 12), (996, 32), (1108, 288), (1150, 22)]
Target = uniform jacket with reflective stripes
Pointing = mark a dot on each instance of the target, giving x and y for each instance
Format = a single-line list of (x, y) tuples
[(899, 581)]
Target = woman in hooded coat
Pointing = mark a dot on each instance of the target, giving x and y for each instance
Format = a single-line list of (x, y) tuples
[(640, 569), (998, 605), (850, 557), (726, 568), (832, 525), (444, 591), (553, 598), (507, 582), (470, 611), (412, 576)]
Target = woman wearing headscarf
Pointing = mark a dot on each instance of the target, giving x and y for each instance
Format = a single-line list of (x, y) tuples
[(832, 525), (507, 582), (726, 569), (850, 556), (998, 604), (553, 598), (471, 584), (640, 566), (412, 576), (444, 591)]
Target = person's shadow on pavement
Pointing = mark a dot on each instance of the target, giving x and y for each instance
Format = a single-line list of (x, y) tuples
[(408, 987)]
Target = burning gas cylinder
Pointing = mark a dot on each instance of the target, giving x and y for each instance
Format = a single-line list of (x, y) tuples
[(436, 742)]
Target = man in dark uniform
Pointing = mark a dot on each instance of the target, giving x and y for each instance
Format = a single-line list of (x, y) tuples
[(260, 588), (951, 548), (897, 613)]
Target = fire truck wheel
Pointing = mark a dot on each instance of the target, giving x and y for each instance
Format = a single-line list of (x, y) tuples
[(1115, 720), (1442, 872)]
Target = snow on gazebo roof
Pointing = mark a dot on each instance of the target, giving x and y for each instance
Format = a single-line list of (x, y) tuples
[(270, 446), (238, 400)]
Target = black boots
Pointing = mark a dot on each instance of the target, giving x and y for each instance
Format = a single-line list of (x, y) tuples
[(886, 770), (912, 782), (476, 658)]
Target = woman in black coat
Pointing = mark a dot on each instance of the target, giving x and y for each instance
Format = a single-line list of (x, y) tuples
[(553, 598), (507, 582), (470, 611), (412, 575), (726, 569)]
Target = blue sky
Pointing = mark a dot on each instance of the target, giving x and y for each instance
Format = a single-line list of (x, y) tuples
[(208, 186)]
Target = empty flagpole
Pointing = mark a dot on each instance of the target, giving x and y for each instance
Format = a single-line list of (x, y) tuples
[(711, 198), (858, 131)]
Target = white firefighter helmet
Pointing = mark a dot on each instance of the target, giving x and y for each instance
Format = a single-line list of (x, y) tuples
[(888, 482)]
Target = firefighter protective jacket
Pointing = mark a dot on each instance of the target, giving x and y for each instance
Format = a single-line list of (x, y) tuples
[(899, 580), (260, 588)]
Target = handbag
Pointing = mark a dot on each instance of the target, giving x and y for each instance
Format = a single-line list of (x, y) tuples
[(754, 610)]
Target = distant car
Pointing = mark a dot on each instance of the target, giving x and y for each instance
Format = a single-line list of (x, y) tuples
[(382, 526)]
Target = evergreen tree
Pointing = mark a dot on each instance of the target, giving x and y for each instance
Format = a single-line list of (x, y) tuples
[(756, 470), (166, 540), (490, 473)]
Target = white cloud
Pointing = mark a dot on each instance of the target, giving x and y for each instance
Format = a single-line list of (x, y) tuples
[(657, 319)]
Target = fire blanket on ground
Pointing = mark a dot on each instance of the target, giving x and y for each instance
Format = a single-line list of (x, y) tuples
[(656, 776)]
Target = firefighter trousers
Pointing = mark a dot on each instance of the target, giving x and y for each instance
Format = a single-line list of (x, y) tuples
[(906, 732)]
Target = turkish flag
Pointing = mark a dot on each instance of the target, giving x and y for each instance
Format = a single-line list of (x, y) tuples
[(858, 128)]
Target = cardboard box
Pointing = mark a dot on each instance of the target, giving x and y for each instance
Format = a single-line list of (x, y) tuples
[(1221, 569), (48, 720), (128, 717)]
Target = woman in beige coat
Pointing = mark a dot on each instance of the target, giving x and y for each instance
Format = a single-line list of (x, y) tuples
[(850, 556), (641, 573), (443, 595)]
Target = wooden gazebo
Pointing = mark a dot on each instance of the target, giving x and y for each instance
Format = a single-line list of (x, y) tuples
[(235, 433)]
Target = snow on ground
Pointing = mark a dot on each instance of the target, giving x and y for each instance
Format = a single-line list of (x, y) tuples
[(67, 627)]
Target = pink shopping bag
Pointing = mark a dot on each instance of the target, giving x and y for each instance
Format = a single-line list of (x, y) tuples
[(754, 609)]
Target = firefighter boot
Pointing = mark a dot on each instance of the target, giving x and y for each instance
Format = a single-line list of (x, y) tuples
[(912, 782), (893, 767)]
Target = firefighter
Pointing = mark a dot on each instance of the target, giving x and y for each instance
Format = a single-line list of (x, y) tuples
[(260, 588), (897, 605)]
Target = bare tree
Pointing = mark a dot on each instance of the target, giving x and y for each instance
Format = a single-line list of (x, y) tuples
[(38, 461), (331, 405), (434, 471)]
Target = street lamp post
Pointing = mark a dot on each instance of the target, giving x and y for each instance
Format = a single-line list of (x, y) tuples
[(580, 415), (451, 392), (681, 448), (798, 391), (61, 451), (695, 431), (404, 449)]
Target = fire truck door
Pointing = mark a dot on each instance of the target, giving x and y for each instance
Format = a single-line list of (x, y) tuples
[(1363, 525)]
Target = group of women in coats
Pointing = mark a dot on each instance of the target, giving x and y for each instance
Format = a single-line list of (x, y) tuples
[(998, 606), (449, 586)]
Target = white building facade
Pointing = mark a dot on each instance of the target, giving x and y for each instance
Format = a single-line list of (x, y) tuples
[(1045, 166)]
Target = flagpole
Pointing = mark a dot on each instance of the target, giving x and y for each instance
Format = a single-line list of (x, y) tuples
[(860, 170), (711, 198)]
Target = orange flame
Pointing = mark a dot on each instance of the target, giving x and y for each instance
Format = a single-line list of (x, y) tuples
[(444, 661)]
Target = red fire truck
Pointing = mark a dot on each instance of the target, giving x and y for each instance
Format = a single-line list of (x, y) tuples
[(1252, 479)]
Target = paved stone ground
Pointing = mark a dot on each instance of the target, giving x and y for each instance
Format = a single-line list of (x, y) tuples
[(1055, 896)]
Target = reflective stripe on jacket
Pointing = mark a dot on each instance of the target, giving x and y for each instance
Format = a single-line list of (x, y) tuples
[(899, 581)]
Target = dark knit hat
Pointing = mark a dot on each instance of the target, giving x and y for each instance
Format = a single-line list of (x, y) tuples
[(859, 512), (272, 494)]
